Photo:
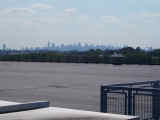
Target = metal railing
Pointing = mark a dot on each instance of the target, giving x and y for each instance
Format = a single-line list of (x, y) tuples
[(140, 98)]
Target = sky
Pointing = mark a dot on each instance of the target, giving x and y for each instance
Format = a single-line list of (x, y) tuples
[(33, 23)]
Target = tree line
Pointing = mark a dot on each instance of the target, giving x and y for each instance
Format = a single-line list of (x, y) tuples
[(131, 56)]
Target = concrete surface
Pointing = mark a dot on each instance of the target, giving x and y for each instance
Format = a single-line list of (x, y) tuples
[(54, 113)]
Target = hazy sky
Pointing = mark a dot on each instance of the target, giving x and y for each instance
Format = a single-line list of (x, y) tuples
[(113, 22)]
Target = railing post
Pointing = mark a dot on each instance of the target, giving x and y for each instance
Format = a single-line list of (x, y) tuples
[(156, 102), (129, 101), (103, 100)]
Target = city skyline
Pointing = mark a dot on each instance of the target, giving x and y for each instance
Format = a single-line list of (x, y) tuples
[(107, 22), (69, 47), (2, 45), (62, 47)]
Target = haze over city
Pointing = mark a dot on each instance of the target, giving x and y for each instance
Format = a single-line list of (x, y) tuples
[(33, 23)]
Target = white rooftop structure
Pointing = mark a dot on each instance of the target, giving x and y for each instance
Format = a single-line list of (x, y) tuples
[(55, 113)]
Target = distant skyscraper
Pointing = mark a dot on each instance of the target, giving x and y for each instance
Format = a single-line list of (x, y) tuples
[(4, 47), (53, 45), (49, 44)]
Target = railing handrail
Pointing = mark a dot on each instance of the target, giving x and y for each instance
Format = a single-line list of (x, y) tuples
[(135, 83)]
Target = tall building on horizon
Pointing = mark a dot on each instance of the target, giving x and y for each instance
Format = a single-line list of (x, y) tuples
[(4, 47)]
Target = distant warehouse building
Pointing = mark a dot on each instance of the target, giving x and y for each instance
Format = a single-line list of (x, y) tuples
[(117, 59)]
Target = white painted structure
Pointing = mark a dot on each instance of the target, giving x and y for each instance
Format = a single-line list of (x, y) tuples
[(55, 113)]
